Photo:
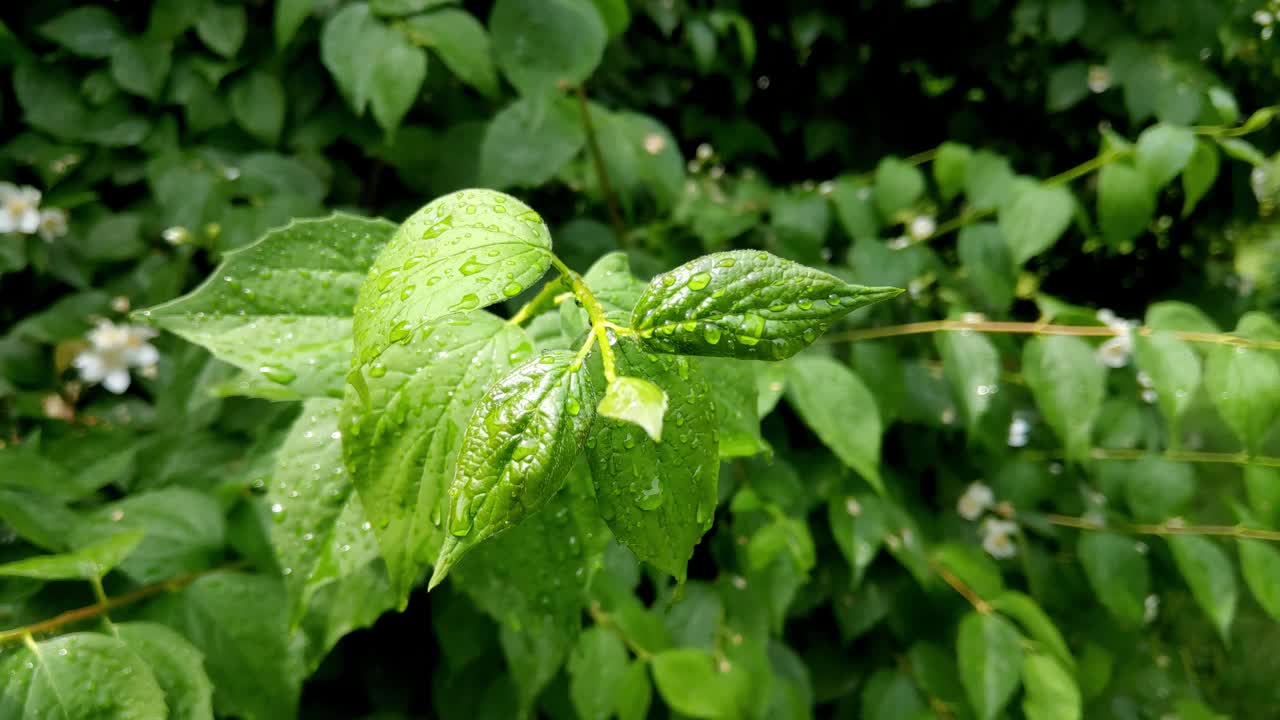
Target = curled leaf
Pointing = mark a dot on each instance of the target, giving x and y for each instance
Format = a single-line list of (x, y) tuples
[(636, 401)]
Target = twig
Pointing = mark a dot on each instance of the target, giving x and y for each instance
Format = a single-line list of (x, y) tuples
[(602, 174), (961, 587), (604, 620), (1165, 528), (1027, 328)]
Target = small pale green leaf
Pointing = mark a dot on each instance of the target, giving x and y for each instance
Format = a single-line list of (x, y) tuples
[(545, 45), (614, 285), (141, 65), (598, 670), (1174, 369), (1199, 174), (177, 665), (636, 401), (463, 251), (859, 523), (395, 80), (1117, 570), (258, 105), (949, 168), (1163, 151), (783, 535), (462, 44), (80, 675), (1157, 489), (1208, 572), (840, 410), (1052, 693), (281, 308), (521, 441), (1242, 149), (989, 653), (1035, 218), (855, 207), (1174, 315), (183, 529), (972, 366), (899, 186), (222, 28), (691, 682), (1260, 565), (402, 425), (1035, 621), (988, 180), (1126, 202), (1244, 384), (988, 263), (659, 498), (746, 304), (1068, 384), (89, 31), (527, 142), (90, 561)]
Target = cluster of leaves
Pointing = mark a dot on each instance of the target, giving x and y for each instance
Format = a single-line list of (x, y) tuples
[(764, 483)]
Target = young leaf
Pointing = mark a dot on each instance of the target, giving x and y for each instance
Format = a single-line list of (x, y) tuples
[(1244, 384), (659, 498), (460, 252), (544, 45), (613, 284), (462, 44), (281, 308), (745, 304), (1208, 572), (1174, 369), (972, 366), (79, 675), (1068, 384), (1198, 175), (597, 673), (1052, 694), (1260, 565), (1163, 151), (691, 683), (840, 410), (1126, 203), (989, 653), (90, 561), (177, 666), (519, 444), (402, 426), (527, 142), (1118, 573), (1035, 218), (637, 401)]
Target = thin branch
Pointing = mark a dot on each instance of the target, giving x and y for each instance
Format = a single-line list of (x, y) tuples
[(100, 608), (961, 587), (1166, 528), (602, 174), (605, 620), (547, 295)]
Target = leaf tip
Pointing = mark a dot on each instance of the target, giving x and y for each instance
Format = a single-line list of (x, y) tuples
[(450, 551)]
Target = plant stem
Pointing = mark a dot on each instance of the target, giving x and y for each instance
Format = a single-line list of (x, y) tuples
[(602, 174), (600, 325), (961, 587), (604, 620), (1028, 328), (106, 604), (1165, 528), (546, 295)]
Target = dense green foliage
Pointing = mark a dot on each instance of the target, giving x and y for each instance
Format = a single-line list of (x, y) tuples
[(788, 375)]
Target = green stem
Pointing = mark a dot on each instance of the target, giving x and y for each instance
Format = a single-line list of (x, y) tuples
[(602, 173), (544, 297), (1165, 528), (600, 325)]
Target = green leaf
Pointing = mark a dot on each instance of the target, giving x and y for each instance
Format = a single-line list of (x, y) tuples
[(1037, 216), (519, 445), (1069, 385), (659, 498), (177, 666), (1035, 621), (1157, 489), (1208, 573), (988, 180), (396, 80), (746, 304), (462, 44), (140, 66), (737, 404), (616, 15), (636, 401), (1068, 85), (613, 284), (79, 675), (1052, 694), (222, 28), (1065, 19), (1198, 175), (783, 535), (281, 308), (949, 169), (527, 142), (972, 366), (239, 622), (1118, 573), (1174, 315), (1262, 487), (544, 45), (973, 566), (290, 14), (690, 681), (90, 561), (1174, 369), (395, 8), (258, 105), (636, 693), (989, 653), (840, 410), (1242, 150), (350, 40), (859, 523), (1260, 565), (855, 208), (402, 426), (1126, 203), (598, 672), (899, 185), (988, 262), (87, 31), (1244, 384), (50, 100), (890, 695), (1163, 151), (183, 532), (463, 251)]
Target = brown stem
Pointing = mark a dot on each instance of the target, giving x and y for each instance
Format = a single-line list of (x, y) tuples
[(1028, 328), (1235, 531), (961, 587), (597, 159)]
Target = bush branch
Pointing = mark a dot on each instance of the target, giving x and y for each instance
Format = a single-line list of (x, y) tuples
[(602, 174), (1165, 528), (1029, 328)]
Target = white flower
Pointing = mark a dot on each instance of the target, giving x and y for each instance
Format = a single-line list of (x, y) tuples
[(113, 350), (704, 152), (922, 227), (1150, 608), (176, 235), (654, 143), (998, 537), (1019, 429), (1115, 352), (120, 304), (975, 501), (19, 208), (1099, 79), (899, 243), (1262, 17), (53, 224)]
